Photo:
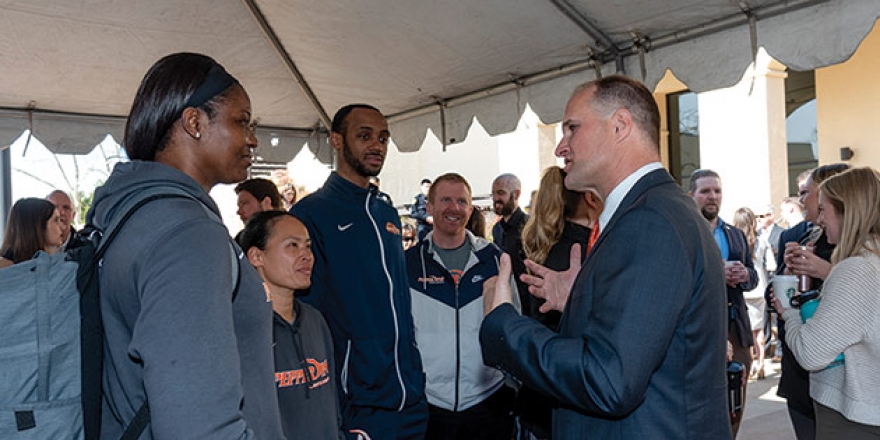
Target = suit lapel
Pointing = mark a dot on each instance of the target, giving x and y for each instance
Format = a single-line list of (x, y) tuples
[(650, 180)]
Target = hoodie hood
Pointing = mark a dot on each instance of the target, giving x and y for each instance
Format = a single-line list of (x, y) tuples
[(129, 180)]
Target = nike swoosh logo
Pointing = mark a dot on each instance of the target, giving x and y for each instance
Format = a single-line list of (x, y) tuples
[(343, 228)]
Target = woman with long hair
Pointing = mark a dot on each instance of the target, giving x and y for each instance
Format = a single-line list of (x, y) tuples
[(33, 225), (765, 264), (477, 223), (810, 255), (558, 219), (846, 320), (188, 326)]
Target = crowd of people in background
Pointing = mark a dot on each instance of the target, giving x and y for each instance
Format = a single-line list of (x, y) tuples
[(612, 309)]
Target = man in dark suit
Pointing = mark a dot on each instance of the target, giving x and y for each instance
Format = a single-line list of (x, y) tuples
[(739, 271), (640, 352)]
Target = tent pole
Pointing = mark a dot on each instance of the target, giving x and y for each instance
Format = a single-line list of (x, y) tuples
[(498, 89), (596, 60), (575, 16), (285, 57), (5, 186)]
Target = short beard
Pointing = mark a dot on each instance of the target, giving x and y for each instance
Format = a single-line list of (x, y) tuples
[(507, 207), (711, 216), (354, 163)]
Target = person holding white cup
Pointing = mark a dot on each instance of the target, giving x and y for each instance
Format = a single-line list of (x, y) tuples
[(785, 287), (794, 383), (845, 320)]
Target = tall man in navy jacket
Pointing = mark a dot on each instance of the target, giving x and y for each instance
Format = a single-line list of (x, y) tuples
[(640, 351), (359, 284), (739, 271)]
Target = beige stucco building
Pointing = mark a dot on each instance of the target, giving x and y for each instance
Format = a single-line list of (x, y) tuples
[(742, 129)]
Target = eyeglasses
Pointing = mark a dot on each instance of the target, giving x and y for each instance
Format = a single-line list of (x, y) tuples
[(409, 239)]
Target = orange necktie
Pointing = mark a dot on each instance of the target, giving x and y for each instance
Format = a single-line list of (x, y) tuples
[(594, 235)]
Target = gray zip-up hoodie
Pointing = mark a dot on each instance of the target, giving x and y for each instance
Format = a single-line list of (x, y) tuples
[(173, 331)]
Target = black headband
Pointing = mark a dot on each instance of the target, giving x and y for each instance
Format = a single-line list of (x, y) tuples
[(215, 83)]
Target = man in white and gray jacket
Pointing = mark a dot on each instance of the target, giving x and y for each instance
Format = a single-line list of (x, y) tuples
[(446, 273)]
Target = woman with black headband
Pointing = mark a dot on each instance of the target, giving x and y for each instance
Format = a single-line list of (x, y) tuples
[(188, 325)]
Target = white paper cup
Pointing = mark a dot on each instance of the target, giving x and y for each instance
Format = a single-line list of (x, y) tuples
[(785, 287)]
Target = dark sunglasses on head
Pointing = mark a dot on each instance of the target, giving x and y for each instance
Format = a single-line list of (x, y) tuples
[(798, 300)]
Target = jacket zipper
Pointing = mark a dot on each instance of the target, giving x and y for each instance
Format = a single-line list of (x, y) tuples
[(467, 267), (391, 301), (343, 377), (457, 348)]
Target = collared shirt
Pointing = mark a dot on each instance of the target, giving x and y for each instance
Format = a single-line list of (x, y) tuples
[(721, 239), (612, 202)]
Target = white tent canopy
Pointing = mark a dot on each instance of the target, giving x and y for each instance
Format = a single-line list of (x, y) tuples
[(69, 69)]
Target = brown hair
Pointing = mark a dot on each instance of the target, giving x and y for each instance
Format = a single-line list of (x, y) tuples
[(477, 223), (819, 174), (260, 189), (26, 229), (744, 220), (618, 91)]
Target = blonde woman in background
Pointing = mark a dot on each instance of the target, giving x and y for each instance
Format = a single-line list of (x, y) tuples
[(847, 320), (558, 219), (765, 264)]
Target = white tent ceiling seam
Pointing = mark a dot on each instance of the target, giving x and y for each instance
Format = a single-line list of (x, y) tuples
[(737, 35), (78, 133), (486, 59)]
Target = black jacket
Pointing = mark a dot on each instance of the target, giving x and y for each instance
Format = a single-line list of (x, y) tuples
[(739, 251)]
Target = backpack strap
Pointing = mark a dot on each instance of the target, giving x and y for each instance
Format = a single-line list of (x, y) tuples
[(235, 254), (138, 423)]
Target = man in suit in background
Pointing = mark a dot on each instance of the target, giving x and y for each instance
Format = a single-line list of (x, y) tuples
[(739, 271), (640, 352), (66, 210)]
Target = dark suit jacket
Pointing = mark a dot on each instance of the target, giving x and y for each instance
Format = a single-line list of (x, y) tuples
[(794, 382), (739, 251), (641, 350), (419, 211), (793, 233)]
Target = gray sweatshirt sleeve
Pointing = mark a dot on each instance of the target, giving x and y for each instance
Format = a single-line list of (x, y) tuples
[(184, 335)]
